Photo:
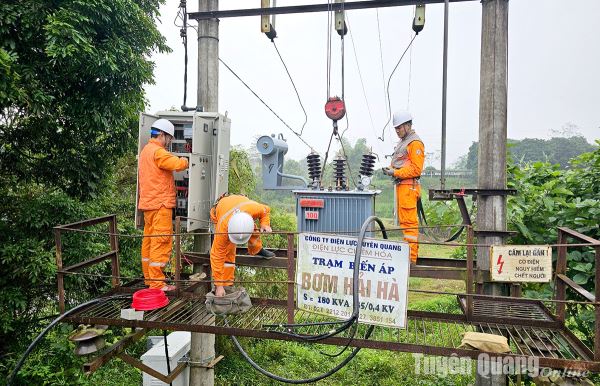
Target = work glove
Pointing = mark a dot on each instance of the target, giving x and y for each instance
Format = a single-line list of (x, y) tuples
[(388, 171)]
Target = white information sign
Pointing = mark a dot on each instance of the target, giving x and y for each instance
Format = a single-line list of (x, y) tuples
[(521, 263), (324, 276)]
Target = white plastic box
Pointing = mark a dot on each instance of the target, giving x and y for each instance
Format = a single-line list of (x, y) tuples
[(179, 346)]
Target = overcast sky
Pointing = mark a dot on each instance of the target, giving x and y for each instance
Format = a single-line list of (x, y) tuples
[(554, 73)]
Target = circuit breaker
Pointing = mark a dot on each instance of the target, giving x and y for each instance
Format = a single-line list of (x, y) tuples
[(204, 139)]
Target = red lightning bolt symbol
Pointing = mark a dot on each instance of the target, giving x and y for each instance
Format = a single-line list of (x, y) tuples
[(500, 264)]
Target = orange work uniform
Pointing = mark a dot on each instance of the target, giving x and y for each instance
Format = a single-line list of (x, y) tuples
[(222, 252), (407, 162), (157, 200)]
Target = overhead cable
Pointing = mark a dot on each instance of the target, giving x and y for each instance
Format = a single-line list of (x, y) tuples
[(362, 83), (266, 105), (293, 85), (382, 138), (381, 60)]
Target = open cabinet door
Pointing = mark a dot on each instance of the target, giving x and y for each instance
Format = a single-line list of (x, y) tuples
[(146, 121), (201, 178), (221, 152)]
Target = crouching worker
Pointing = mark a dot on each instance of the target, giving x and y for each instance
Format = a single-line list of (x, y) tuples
[(234, 217), (157, 200)]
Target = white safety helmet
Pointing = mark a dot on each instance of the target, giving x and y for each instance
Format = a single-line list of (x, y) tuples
[(164, 125), (240, 227), (400, 117)]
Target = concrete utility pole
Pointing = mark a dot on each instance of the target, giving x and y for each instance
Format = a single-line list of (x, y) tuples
[(491, 210), (202, 348)]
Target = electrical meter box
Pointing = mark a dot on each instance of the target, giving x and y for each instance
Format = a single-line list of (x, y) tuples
[(203, 138)]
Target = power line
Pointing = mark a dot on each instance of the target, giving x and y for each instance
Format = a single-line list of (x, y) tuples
[(382, 138), (381, 60), (360, 77), (266, 105), (293, 85)]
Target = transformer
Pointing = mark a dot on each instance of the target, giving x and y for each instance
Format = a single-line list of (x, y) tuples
[(342, 212), (203, 138)]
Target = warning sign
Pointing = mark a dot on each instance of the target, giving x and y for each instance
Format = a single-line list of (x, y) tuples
[(324, 276), (521, 263)]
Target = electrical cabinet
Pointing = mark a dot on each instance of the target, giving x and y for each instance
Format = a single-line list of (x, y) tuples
[(204, 139)]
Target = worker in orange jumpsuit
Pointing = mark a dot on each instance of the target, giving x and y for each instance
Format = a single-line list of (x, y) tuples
[(405, 168), (234, 217), (156, 186)]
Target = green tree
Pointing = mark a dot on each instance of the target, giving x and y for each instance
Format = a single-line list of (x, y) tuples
[(73, 73), (71, 86), (550, 197)]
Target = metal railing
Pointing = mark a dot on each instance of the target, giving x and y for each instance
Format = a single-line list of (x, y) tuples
[(563, 281), (113, 254)]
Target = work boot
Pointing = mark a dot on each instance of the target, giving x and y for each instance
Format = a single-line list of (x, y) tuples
[(265, 254)]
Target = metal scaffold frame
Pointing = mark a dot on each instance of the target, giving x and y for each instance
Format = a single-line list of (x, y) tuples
[(521, 320)]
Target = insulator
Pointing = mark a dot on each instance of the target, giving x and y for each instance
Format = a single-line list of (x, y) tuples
[(314, 166), (367, 165), (339, 173)]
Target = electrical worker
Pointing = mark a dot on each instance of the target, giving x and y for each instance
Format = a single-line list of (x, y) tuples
[(405, 168), (234, 217), (157, 200)]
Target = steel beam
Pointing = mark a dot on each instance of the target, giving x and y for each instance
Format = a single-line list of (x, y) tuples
[(169, 378), (113, 351), (93, 261), (347, 6)]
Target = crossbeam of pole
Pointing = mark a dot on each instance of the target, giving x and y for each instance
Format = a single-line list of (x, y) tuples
[(311, 8)]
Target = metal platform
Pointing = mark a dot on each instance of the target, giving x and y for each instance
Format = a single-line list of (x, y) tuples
[(532, 329), (518, 310), (426, 332)]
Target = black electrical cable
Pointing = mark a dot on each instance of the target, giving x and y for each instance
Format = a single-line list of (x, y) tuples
[(355, 301), (388, 87), (353, 317), (52, 324), (266, 105), (167, 354), (293, 85), (299, 381), (343, 350), (183, 33)]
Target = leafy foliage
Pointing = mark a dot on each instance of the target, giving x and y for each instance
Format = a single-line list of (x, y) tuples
[(549, 198), (72, 84)]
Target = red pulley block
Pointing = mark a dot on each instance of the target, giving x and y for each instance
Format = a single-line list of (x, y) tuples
[(335, 109)]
